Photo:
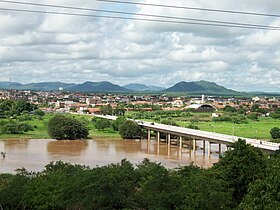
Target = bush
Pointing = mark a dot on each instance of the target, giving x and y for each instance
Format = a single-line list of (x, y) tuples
[(130, 130), (13, 127), (62, 127), (275, 133), (102, 124), (39, 112), (252, 116), (192, 126), (116, 124), (275, 115), (169, 122)]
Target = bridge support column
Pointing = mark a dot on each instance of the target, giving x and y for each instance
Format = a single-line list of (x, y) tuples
[(169, 143), (209, 149), (168, 139), (203, 146), (149, 135), (181, 142), (194, 144), (158, 141), (180, 146), (220, 148)]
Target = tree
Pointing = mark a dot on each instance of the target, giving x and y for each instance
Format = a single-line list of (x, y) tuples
[(62, 127), (158, 188), (202, 189), (264, 193), (228, 108), (107, 187), (12, 190), (47, 188), (239, 167), (106, 110), (13, 127), (116, 123), (102, 124), (23, 105), (130, 130), (252, 116), (39, 112), (275, 133)]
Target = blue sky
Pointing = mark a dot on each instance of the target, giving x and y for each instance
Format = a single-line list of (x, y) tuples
[(44, 47)]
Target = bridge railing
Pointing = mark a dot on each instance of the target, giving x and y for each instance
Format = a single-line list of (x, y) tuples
[(217, 136)]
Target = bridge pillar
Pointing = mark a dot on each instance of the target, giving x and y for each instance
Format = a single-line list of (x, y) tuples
[(181, 142), (169, 139), (149, 135), (220, 148), (203, 146), (158, 141), (194, 144), (209, 149)]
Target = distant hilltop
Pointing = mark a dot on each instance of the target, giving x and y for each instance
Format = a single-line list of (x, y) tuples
[(198, 87)]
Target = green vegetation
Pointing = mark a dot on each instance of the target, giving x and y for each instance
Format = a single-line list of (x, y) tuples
[(62, 127), (243, 179), (130, 130), (228, 123), (275, 133)]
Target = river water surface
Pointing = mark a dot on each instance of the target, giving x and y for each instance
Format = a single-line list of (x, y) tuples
[(34, 154)]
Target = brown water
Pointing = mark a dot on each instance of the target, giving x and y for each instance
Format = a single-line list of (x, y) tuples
[(35, 154)]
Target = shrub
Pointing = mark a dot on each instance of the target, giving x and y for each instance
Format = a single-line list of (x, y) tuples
[(13, 127), (192, 126), (39, 112), (275, 133), (62, 127), (130, 130), (252, 116), (102, 124)]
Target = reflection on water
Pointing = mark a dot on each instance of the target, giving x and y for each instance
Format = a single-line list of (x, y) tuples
[(66, 148), (35, 154)]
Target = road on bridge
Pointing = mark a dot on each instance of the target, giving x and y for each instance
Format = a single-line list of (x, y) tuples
[(198, 134)]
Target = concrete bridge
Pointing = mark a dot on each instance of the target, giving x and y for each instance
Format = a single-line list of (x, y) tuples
[(197, 135)]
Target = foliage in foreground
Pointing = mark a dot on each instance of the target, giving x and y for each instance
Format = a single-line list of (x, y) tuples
[(235, 182)]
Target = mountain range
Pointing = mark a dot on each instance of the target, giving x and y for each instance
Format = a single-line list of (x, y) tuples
[(198, 87), (141, 87)]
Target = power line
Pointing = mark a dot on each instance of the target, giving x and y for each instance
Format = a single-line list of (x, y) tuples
[(193, 8), (138, 14), (138, 19)]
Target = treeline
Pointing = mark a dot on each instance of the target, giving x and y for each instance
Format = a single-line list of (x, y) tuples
[(244, 178), (15, 114)]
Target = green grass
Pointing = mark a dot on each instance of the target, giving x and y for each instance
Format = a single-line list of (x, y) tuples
[(40, 131), (254, 129)]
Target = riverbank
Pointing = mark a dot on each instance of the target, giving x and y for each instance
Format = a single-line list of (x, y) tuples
[(44, 135), (40, 130)]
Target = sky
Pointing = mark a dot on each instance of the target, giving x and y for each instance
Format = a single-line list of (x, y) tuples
[(36, 47)]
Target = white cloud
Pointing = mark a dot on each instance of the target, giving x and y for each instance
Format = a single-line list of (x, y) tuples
[(43, 47)]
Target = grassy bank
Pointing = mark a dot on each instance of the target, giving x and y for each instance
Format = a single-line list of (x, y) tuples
[(40, 129), (259, 129)]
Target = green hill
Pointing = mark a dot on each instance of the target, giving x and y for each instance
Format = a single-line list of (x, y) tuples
[(201, 87)]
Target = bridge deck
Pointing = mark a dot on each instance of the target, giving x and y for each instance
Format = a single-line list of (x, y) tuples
[(203, 135)]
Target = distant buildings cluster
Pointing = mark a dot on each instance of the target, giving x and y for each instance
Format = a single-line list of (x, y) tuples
[(80, 102)]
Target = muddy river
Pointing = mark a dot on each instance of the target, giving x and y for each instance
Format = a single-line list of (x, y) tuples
[(34, 154)]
